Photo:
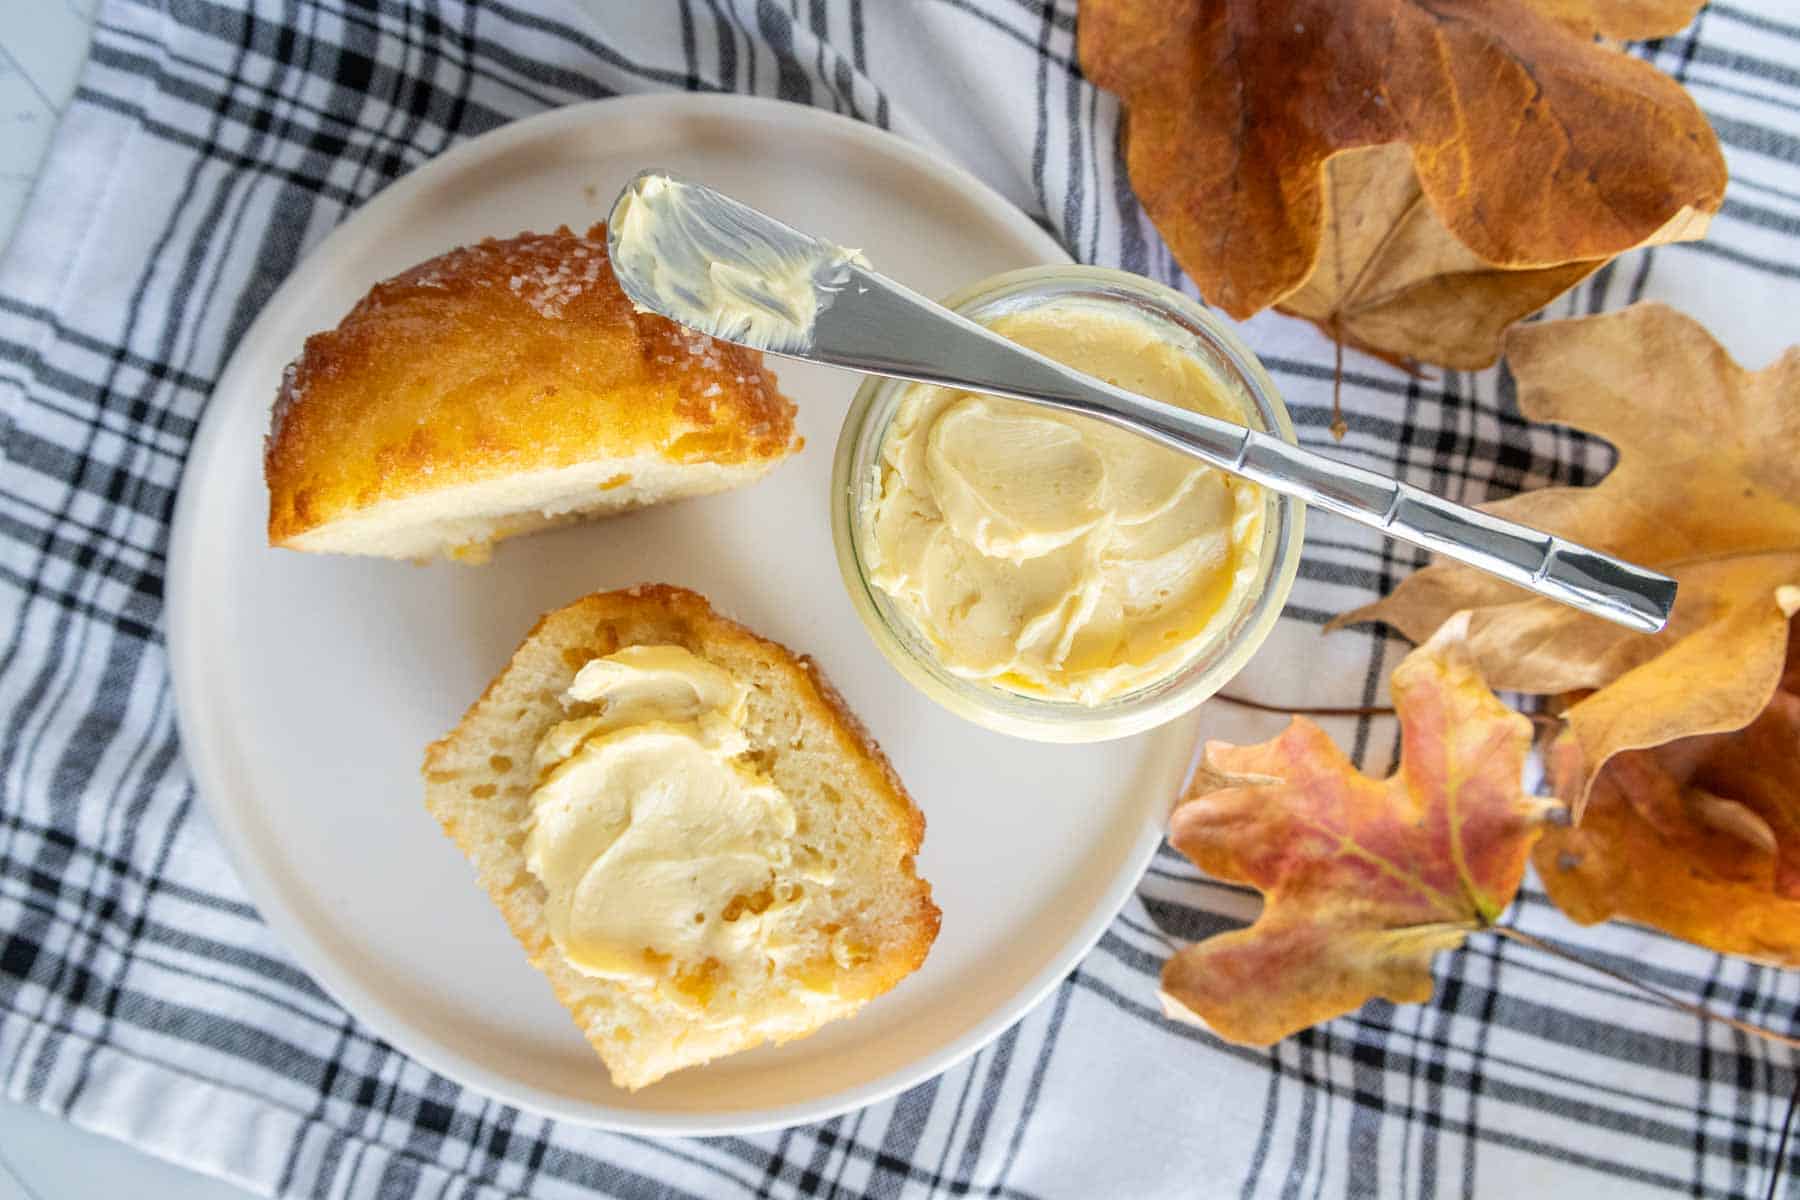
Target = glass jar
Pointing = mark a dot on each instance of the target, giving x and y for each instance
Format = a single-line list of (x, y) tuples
[(856, 486)]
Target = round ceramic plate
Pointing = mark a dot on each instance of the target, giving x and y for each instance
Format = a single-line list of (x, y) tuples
[(309, 686)]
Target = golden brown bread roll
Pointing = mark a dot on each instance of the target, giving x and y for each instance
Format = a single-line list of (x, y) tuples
[(502, 388), (841, 917)]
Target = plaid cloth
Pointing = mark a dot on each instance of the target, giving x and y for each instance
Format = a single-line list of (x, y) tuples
[(209, 148)]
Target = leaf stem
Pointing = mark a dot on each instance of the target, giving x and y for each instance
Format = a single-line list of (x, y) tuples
[(1362, 710), (1338, 426), (1367, 710), (1676, 1002)]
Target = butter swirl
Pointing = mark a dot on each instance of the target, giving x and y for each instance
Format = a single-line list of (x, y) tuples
[(1051, 554), (666, 856)]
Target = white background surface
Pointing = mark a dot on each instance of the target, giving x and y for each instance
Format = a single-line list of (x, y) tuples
[(42, 44)]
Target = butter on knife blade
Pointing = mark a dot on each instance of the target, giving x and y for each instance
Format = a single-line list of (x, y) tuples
[(702, 259)]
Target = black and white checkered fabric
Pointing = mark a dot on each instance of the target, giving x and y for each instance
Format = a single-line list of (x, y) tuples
[(209, 148)]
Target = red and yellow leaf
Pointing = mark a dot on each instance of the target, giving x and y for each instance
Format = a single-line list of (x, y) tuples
[(1363, 880)]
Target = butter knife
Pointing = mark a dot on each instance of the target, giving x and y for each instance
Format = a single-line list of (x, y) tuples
[(712, 263)]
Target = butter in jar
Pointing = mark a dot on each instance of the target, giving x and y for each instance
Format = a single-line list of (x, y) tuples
[(1051, 554)]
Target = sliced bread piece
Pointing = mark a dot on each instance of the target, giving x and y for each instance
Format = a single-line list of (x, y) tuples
[(861, 922), (500, 389)]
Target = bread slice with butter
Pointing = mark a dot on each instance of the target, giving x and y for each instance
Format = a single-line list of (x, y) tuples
[(691, 835), (502, 388)]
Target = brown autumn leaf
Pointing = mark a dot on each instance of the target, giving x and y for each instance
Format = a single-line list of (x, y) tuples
[(1707, 489), (1699, 837), (1412, 175), (1363, 880), (1392, 281)]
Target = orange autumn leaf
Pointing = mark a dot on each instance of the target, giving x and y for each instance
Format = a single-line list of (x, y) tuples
[(1707, 489), (1363, 880), (1411, 175), (1699, 837)]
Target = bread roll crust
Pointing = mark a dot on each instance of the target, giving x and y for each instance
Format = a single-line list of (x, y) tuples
[(507, 357)]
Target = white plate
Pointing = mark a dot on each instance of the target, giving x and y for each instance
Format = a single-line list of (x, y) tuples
[(308, 686)]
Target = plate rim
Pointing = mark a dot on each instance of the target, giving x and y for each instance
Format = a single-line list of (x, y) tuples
[(184, 639)]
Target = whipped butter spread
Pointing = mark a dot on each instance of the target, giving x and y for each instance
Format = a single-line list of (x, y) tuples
[(1051, 554), (713, 264), (667, 856)]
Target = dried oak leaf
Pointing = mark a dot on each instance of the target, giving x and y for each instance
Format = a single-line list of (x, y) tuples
[(1700, 837), (1707, 489), (1363, 880), (1411, 175), (1392, 281)]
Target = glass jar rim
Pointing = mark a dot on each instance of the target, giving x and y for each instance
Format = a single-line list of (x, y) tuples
[(855, 479)]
